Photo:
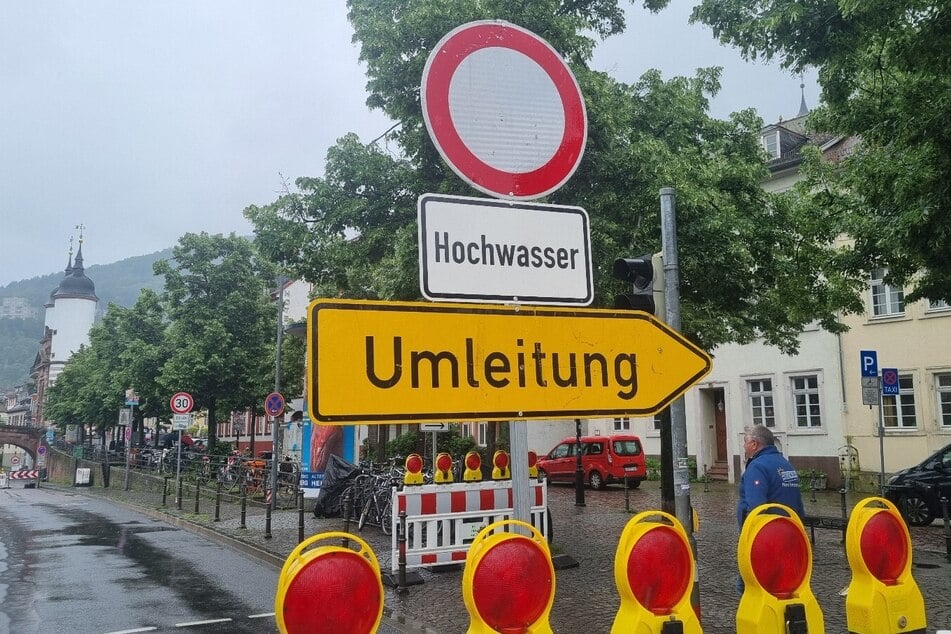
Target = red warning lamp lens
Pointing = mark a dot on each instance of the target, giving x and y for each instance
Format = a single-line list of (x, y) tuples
[(444, 462), (884, 547), (414, 463), (333, 593), (658, 569), (512, 585), (501, 459), (473, 461), (532, 459), (780, 557)]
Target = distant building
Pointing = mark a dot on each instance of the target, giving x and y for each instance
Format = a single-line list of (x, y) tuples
[(70, 314)]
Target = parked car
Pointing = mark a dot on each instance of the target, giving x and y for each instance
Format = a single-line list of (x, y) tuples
[(917, 491), (604, 459)]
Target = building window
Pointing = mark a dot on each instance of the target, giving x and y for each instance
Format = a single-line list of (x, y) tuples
[(770, 143), (761, 402), (658, 422), (483, 427), (938, 305), (942, 384), (622, 424), (805, 394), (898, 412), (886, 299)]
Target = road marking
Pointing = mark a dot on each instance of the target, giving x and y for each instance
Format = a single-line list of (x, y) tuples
[(206, 622), (139, 629), (261, 616)]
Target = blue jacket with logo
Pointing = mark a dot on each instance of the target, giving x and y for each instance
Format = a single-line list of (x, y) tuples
[(769, 478)]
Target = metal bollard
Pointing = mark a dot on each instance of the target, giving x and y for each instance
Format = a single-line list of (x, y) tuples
[(947, 528), (812, 487), (267, 521), (706, 479), (218, 502), (165, 491), (178, 500), (244, 506), (300, 516), (197, 494), (347, 510), (627, 495), (401, 541), (845, 512)]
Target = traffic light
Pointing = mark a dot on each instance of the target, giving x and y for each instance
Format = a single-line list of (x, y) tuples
[(414, 469), (443, 471), (500, 466), (473, 462), (883, 596), (639, 272)]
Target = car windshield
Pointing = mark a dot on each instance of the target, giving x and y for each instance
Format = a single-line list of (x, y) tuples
[(627, 447)]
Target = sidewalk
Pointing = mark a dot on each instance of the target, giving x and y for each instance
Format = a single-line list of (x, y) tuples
[(586, 598)]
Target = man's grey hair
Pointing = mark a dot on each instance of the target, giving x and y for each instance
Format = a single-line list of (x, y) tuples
[(761, 434)]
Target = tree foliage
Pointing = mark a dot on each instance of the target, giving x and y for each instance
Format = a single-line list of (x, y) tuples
[(221, 323), (752, 263), (883, 67)]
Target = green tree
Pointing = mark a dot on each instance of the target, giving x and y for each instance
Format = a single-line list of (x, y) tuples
[(883, 67), (221, 323), (752, 263)]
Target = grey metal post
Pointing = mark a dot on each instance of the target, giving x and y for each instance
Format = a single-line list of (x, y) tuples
[(518, 443), (678, 413), (128, 445), (275, 422), (881, 445)]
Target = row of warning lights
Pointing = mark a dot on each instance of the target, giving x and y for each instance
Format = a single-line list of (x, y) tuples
[(443, 472), (654, 571)]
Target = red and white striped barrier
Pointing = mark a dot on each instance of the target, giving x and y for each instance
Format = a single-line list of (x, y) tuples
[(24, 475), (442, 520)]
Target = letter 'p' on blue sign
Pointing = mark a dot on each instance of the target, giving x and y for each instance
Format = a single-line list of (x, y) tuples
[(869, 362)]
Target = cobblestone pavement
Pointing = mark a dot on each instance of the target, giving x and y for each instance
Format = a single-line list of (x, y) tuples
[(586, 598)]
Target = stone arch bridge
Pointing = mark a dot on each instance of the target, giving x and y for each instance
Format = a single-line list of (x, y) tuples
[(23, 436)]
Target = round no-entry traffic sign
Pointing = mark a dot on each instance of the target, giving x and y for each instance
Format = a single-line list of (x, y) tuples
[(504, 110), (182, 403), (274, 404)]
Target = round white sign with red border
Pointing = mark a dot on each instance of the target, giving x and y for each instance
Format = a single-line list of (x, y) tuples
[(504, 110), (182, 403)]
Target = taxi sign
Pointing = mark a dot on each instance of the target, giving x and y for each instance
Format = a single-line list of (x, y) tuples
[(377, 362)]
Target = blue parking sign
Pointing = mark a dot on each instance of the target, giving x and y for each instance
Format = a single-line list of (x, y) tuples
[(868, 360)]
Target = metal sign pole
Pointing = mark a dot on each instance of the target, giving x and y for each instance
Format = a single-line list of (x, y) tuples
[(128, 445), (178, 470)]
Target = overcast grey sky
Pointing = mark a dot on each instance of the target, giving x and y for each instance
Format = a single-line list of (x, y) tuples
[(147, 120)]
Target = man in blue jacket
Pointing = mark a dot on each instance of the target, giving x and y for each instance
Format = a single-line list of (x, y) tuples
[(769, 478)]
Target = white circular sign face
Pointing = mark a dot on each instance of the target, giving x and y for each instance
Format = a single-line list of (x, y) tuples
[(504, 110), (15, 460), (182, 403)]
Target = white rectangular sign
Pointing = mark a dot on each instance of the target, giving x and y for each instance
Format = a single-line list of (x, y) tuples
[(181, 421), (498, 251), (434, 427)]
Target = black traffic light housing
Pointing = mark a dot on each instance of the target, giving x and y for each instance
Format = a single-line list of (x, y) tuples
[(639, 272)]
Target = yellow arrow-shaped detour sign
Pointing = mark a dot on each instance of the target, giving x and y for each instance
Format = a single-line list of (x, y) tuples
[(382, 362)]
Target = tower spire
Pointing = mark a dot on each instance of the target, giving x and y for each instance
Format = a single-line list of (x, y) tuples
[(803, 108)]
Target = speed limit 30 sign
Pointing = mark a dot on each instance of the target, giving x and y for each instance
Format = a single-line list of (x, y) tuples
[(182, 403)]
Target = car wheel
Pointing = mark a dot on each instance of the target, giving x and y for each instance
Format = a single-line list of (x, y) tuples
[(916, 511), (542, 475), (633, 483), (596, 480)]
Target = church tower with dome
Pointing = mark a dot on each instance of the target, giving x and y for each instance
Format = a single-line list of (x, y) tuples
[(70, 314)]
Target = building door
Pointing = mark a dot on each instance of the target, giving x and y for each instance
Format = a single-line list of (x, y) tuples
[(719, 424)]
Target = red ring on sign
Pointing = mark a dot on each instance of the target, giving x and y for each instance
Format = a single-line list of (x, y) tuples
[(437, 78)]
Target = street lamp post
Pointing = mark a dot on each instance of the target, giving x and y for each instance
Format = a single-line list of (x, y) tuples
[(275, 428)]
